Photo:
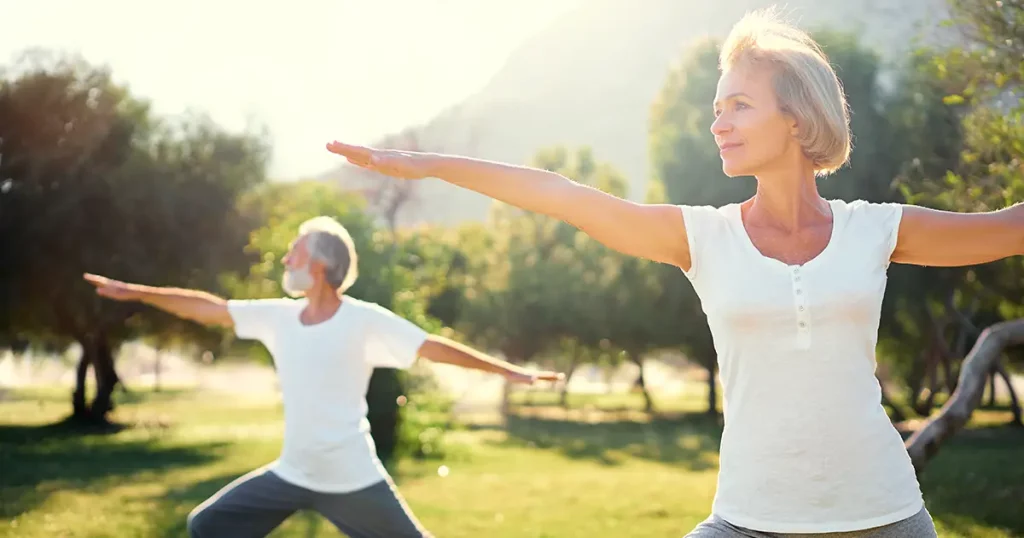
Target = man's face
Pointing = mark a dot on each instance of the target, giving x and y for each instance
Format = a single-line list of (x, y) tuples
[(299, 268)]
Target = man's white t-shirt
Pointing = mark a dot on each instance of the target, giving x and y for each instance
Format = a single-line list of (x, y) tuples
[(807, 446), (323, 372)]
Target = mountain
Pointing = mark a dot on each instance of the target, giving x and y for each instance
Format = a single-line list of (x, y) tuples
[(590, 77)]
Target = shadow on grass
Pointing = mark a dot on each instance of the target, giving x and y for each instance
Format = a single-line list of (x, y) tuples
[(688, 440), (40, 460), (170, 520), (978, 477)]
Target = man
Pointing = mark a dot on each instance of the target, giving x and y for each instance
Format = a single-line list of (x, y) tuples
[(325, 345)]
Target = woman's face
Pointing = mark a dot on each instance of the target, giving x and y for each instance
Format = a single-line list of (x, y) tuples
[(752, 132)]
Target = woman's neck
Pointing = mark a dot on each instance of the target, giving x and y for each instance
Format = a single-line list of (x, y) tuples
[(787, 199)]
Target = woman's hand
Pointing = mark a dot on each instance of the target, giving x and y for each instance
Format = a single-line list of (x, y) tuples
[(394, 163)]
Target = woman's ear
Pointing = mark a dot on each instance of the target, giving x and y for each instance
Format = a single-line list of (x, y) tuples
[(792, 122)]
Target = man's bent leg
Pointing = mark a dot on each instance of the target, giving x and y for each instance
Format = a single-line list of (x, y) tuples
[(251, 506), (378, 511)]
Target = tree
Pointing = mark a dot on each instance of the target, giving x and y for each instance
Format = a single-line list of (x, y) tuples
[(543, 282), (589, 273), (94, 183), (514, 305), (984, 81)]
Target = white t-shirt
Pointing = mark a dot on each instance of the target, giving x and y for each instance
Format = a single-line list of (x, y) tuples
[(807, 446), (323, 371)]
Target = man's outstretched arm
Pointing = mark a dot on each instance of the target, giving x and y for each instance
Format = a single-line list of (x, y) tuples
[(441, 349), (198, 306)]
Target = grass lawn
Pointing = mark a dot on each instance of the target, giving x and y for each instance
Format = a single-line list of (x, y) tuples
[(543, 474)]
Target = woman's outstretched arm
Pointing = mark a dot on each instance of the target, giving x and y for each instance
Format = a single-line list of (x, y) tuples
[(652, 231), (938, 238)]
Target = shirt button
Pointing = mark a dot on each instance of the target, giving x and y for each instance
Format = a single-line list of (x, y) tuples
[(800, 308), (802, 325), (796, 279), (798, 292)]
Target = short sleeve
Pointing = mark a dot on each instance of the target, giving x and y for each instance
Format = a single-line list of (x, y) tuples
[(881, 223), (392, 341), (700, 222), (254, 319), (890, 217)]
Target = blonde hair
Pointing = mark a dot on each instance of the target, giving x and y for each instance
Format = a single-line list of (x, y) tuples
[(331, 244), (805, 84)]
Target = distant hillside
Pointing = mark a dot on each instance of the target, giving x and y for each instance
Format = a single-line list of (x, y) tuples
[(590, 77)]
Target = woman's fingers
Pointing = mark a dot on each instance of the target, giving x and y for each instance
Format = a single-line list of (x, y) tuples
[(358, 155)]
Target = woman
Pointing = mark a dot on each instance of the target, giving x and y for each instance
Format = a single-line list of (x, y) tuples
[(792, 285)]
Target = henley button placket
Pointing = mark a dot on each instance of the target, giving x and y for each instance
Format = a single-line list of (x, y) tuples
[(803, 322)]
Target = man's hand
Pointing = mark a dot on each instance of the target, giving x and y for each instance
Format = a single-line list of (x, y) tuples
[(529, 377), (113, 289)]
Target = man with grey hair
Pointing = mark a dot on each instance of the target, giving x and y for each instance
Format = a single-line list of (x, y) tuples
[(325, 344)]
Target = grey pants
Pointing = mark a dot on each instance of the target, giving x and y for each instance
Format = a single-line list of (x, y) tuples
[(917, 526), (255, 504)]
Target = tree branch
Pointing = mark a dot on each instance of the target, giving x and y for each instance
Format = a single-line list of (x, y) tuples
[(955, 414)]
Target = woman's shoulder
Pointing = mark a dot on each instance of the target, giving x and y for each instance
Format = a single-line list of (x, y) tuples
[(710, 213), (866, 212)]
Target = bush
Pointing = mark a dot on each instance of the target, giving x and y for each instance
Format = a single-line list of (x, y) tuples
[(424, 425), (408, 415)]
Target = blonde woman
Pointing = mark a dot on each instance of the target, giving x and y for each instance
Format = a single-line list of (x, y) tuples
[(792, 285)]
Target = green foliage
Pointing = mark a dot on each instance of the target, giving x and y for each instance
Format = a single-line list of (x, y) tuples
[(544, 282), (94, 183), (968, 101), (426, 420)]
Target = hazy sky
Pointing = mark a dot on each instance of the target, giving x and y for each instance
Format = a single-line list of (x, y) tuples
[(316, 70)]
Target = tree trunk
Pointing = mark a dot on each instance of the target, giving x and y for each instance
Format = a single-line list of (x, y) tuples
[(984, 356), (931, 383), (156, 369), (1014, 403), (506, 393), (641, 383), (106, 378), (564, 397), (949, 373), (712, 367)]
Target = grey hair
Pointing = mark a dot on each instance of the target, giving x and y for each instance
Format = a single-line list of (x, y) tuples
[(331, 244)]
